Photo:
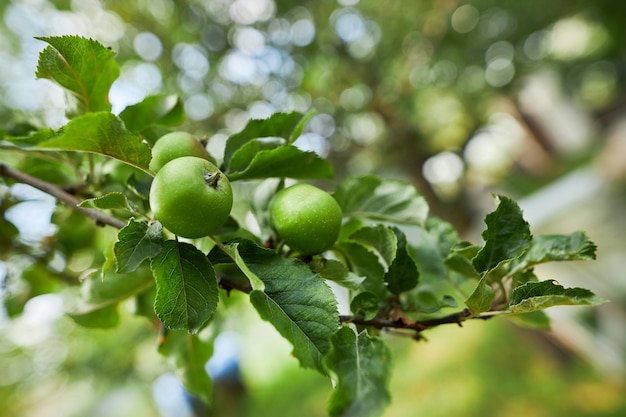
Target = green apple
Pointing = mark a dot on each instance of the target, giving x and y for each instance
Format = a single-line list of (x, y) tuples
[(307, 218), (191, 197), (175, 145)]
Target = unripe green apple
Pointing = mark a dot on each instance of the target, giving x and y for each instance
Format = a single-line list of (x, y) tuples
[(191, 197), (307, 218), (175, 145)]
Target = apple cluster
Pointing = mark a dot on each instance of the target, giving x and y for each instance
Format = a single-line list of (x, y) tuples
[(189, 195), (192, 198)]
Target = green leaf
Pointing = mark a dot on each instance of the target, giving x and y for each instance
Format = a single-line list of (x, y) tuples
[(382, 200), (32, 139), (136, 242), (106, 317), (101, 133), (159, 109), (82, 66), (462, 265), (187, 292), (535, 320), (285, 161), (402, 274), (335, 271), (481, 299), (534, 296), (425, 300), (507, 235), (548, 248), (109, 201), (279, 125), (188, 354), (366, 304), (364, 263), (380, 238), (244, 155), (361, 367), (296, 301), (101, 295)]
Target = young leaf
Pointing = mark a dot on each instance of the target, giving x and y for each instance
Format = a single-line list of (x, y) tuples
[(402, 274), (481, 299), (101, 295), (188, 354), (279, 125), (109, 201), (285, 161), (159, 109), (295, 300), (361, 367), (83, 66), (136, 242), (381, 199), (534, 296), (507, 235), (187, 291), (101, 133)]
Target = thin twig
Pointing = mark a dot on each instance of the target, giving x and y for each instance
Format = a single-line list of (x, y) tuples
[(63, 196), (418, 326)]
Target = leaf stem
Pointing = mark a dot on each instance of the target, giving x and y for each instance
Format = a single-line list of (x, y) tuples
[(61, 195)]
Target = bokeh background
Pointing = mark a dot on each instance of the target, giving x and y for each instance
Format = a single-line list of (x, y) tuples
[(462, 98)]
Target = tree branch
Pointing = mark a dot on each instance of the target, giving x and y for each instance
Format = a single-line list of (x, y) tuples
[(418, 326), (61, 195)]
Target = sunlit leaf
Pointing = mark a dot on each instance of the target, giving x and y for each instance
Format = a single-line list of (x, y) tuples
[(187, 292), (279, 125), (160, 109), (101, 133), (361, 367), (284, 161), (82, 66), (381, 199)]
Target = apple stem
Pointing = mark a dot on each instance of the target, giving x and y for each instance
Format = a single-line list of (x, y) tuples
[(212, 179)]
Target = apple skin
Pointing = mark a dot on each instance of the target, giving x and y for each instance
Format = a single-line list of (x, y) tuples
[(175, 145), (191, 197), (307, 218)]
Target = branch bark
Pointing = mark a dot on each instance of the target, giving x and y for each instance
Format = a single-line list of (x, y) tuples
[(61, 195), (418, 326)]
